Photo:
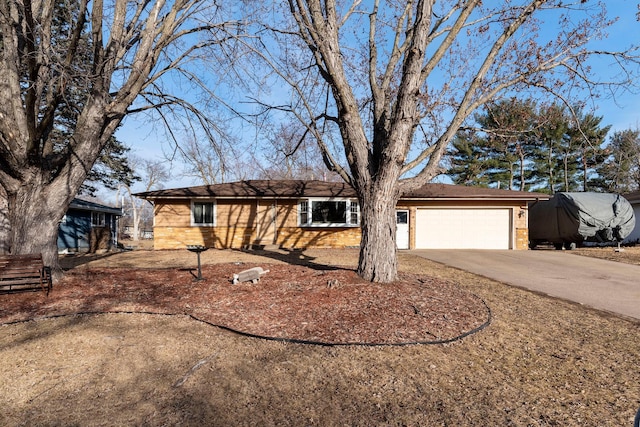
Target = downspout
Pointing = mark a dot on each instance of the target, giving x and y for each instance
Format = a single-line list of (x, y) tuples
[(116, 220)]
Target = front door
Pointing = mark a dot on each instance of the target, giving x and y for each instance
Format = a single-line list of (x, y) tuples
[(266, 227), (402, 229)]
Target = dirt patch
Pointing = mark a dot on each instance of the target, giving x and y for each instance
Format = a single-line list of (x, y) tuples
[(541, 362)]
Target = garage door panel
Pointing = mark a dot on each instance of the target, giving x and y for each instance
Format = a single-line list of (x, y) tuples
[(463, 228)]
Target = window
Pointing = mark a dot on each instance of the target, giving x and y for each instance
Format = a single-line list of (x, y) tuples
[(329, 213), (402, 217), (304, 212), (355, 213), (203, 213), (98, 219)]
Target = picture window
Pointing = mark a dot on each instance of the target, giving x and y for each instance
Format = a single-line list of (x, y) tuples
[(329, 213)]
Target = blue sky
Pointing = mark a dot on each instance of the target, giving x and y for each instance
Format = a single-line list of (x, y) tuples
[(621, 113), (624, 112)]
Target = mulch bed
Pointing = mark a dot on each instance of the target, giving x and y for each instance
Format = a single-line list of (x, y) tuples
[(290, 302)]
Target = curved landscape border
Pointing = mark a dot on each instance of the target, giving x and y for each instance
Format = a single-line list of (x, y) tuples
[(335, 307)]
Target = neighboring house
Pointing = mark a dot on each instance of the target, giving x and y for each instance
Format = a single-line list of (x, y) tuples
[(143, 234), (303, 214), (634, 199), (88, 227)]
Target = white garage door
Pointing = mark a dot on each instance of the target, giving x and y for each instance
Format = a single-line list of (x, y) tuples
[(463, 228)]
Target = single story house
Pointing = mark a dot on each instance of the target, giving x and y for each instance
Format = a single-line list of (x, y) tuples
[(304, 214), (634, 199), (127, 231), (88, 227)]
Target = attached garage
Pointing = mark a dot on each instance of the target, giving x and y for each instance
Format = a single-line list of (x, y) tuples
[(445, 216), (452, 228)]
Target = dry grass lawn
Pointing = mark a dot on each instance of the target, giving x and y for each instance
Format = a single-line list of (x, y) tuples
[(541, 362)]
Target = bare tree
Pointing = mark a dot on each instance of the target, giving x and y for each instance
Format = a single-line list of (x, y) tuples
[(154, 174), (291, 153), (205, 160), (70, 71), (397, 79)]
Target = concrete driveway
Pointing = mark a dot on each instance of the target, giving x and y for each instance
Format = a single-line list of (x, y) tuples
[(601, 284)]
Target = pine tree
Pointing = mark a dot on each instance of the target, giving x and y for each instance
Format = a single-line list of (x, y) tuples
[(498, 152), (620, 172), (587, 136), (468, 160), (551, 127)]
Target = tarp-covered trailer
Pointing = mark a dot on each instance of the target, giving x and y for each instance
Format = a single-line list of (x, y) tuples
[(569, 219)]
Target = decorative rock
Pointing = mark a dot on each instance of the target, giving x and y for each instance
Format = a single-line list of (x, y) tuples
[(251, 275)]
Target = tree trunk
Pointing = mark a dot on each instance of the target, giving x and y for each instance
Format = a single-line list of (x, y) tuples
[(523, 181), (511, 176), (584, 172), (550, 171), (566, 172), (34, 210), (5, 225), (378, 255), (136, 218), (34, 214)]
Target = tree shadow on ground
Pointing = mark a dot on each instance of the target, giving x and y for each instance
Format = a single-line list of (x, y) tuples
[(71, 261), (291, 256)]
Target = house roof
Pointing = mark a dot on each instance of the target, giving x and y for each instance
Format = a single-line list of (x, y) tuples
[(257, 189), (633, 197), (437, 191), (86, 205), (296, 189)]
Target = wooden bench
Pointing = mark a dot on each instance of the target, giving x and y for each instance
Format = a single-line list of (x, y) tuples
[(24, 273)]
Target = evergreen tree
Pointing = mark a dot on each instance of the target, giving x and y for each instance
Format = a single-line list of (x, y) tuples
[(498, 152), (522, 146), (509, 125), (587, 136), (547, 154), (620, 172), (111, 169), (468, 159)]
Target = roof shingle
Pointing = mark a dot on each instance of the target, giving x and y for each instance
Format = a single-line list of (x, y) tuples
[(296, 189)]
